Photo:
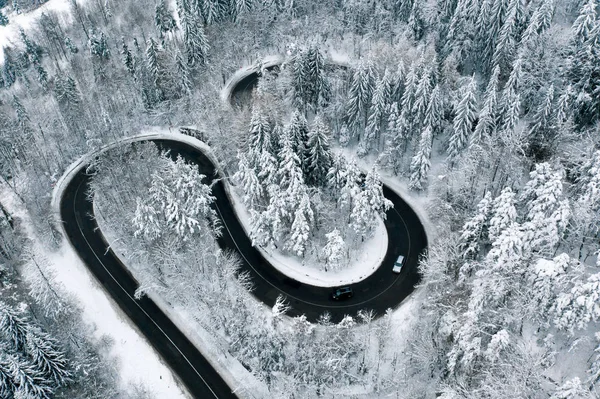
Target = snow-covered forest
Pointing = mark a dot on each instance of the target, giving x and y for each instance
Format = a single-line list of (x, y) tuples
[(486, 111)]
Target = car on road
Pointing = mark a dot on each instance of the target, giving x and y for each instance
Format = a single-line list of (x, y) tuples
[(342, 293), (398, 264)]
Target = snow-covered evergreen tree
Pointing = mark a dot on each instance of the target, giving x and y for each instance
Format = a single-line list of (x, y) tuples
[(377, 113), (298, 133), (369, 204), (475, 229), (163, 19), (246, 176), (359, 94), (319, 153), (504, 213), (488, 114), (420, 164), (48, 359), (547, 211), (13, 327), (301, 227), (334, 250), (127, 57), (463, 121), (196, 43), (434, 113)]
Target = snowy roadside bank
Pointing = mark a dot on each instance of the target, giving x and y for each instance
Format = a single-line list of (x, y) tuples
[(242, 382), (365, 264), (136, 361), (228, 367)]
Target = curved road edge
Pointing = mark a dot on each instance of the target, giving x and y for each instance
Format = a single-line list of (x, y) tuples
[(237, 384)]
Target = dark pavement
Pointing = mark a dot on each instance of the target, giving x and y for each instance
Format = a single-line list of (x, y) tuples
[(380, 291)]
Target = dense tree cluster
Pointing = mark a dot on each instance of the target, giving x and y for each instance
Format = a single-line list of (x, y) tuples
[(489, 108), (291, 181)]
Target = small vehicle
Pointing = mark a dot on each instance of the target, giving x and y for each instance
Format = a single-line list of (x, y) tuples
[(342, 293), (398, 264)]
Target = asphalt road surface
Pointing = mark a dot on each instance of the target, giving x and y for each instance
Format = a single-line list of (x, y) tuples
[(382, 290)]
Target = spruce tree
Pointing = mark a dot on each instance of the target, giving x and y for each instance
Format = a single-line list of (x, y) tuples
[(127, 58), (155, 68), (434, 113), (196, 43), (420, 164), (183, 72), (463, 121), (48, 359), (376, 118), (489, 113), (319, 154), (359, 95), (422, 97), (298, 133), (260, 136), (163, 19)]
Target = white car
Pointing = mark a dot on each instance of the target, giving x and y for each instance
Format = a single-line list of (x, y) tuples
[(398, 264)]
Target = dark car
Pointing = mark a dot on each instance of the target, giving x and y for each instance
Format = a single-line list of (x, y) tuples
[(342, 293)]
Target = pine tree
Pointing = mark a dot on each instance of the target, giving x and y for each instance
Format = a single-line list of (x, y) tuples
[(543, 115), (7, 385), (65, 90), (422, 95), (13, 327), (196, 43), (586, 21), (127, 58), (420, 164), (505, 46), (474, 229), (547, 211), (243, 6), (488, 114), (71, 46), (589, 182), (463, 121), (368, 204), (309, 81), (290, 179), (410, 90), (504, 213), (359, 95), (434, 113), (416, 22), (48, 359), (246, 176), (155, 68), (163, 19), (260, 135), (376, 116), (490, 29), (334, 249), (29, 382), (98, 45), (184, 73), (540, 21), (298, 133), (301, 227), (511, 100), (319, 153)]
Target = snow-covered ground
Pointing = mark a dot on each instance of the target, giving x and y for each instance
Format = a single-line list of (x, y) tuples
[(366, 261), (9, 34), (137, 361)]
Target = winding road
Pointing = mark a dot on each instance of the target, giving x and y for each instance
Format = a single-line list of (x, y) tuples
[(378, 292)]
